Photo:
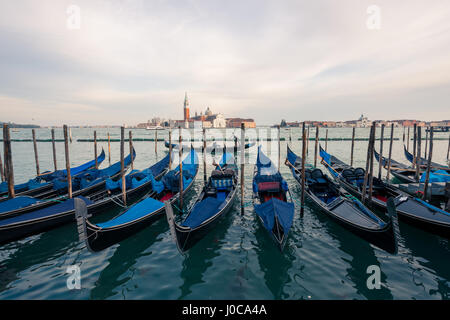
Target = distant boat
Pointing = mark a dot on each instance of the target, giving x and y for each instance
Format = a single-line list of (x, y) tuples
[(15, 130), (154, 128)]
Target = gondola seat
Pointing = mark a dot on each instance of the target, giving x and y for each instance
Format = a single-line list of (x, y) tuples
[(269, 186), (222, 184), (318, 177)]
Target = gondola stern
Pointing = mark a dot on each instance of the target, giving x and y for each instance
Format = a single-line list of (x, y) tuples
[(393, 222), (82, 216), (173, 227)]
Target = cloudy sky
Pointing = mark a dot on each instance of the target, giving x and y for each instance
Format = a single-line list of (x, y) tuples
[(132, 60)]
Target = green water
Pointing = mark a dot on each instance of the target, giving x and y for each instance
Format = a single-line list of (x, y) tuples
[(237, 260)]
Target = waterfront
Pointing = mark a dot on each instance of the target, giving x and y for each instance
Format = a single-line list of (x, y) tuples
[(237, 260)]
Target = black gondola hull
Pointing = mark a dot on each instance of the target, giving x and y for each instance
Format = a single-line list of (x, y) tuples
[(102, 238), (18, 231), (187, 238)]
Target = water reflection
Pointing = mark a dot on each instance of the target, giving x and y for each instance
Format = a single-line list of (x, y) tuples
[(362, 256), (36, 250), (435, 253), (124, 259), (199, 258)]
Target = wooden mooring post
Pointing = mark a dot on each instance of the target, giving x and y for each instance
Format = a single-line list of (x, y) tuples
[(204, 156), (67, 156), (418, 153), (156, 142), (180, 154), (95, 149), (390, 153), (170, 149), (36, 157), (380, 166), (130, 134), (407, 141), (55, 165), (415, 145), (316, 146), (122, 165), (2, 173), (109, 149), (369, 156), (353, 146), (242, 165), (9, 167), (302, 200), (430, 156), (372, 142)]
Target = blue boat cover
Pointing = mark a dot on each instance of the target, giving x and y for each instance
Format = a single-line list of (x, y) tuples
[(92, 177), (160, 166), (326, 156), (150, 205), (73, 171), (436, 176), (29, 185), (284, 211), (202, 211), (17, 203), (292, 157), (59, 208), (135, 212)]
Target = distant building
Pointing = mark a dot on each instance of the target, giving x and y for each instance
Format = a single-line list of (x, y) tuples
[(236, 123), (186, 108)]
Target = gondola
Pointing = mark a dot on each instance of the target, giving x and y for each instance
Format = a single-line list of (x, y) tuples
[(344, 208), (399, 170), (83, 184), (272, 200), (212, 147), (214, 201), (43, 182), (138, 183), (103, 235), (412, 210), (423, 161)]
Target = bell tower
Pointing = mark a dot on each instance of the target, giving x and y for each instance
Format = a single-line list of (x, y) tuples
[(186, 108)]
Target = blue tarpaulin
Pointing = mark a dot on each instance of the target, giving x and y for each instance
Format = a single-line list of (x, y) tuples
[(16, 203), (437, 176), (284, 211), (202, 211), (135, 212), (58, 208)]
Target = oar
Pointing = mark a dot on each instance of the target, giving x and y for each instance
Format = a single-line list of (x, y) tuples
[(327, 165)]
